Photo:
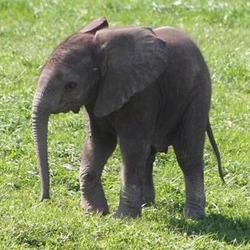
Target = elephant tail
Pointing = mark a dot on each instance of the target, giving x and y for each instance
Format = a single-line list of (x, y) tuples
[(215, 149)]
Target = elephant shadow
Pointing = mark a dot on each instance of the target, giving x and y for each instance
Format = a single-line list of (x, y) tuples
[(221, 228)]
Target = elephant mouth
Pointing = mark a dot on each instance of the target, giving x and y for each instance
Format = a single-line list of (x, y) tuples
[(67, 108), (75, 110)]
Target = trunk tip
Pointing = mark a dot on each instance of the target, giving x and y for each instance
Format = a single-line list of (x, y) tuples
[(44, 197)]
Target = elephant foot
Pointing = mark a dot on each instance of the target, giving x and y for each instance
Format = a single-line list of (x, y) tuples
[(194, 211), (148, 197), (96, 207), (93, 199), (130, 203), (127, 213), (92, 195)]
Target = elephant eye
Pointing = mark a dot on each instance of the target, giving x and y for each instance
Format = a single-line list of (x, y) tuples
[(70, 85)]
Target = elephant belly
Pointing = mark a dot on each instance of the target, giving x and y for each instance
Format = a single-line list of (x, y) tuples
[(162, 139), (166, 129), (161, 144), (160, 148)]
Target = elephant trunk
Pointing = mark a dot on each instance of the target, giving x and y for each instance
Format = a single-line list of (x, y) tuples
[(40, 118)]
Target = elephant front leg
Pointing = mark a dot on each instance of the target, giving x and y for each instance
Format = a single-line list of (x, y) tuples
[(95, 155), (148, 190), (134, 158)]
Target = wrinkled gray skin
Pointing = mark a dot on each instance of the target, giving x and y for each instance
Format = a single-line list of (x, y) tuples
[(146, 89)]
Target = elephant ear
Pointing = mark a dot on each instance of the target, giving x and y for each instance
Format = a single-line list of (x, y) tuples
[(95, 25), (133, 59)]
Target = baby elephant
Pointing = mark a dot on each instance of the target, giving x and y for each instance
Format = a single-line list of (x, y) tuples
[(144, 88)]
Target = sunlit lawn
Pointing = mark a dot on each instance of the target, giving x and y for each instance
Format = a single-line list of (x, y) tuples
[(29, 30)]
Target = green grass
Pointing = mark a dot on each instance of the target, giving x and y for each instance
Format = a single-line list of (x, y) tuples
[(29, 30)]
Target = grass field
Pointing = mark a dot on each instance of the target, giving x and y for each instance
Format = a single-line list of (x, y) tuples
[(29, 30)]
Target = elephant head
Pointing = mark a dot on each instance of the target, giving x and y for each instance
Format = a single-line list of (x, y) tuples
[(98, 65), (66, 83)]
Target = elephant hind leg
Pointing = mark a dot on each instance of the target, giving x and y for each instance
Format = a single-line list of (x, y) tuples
[(189, 148), (191, 163)]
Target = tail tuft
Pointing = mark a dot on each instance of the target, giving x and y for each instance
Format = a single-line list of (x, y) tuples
[(216, 150)]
